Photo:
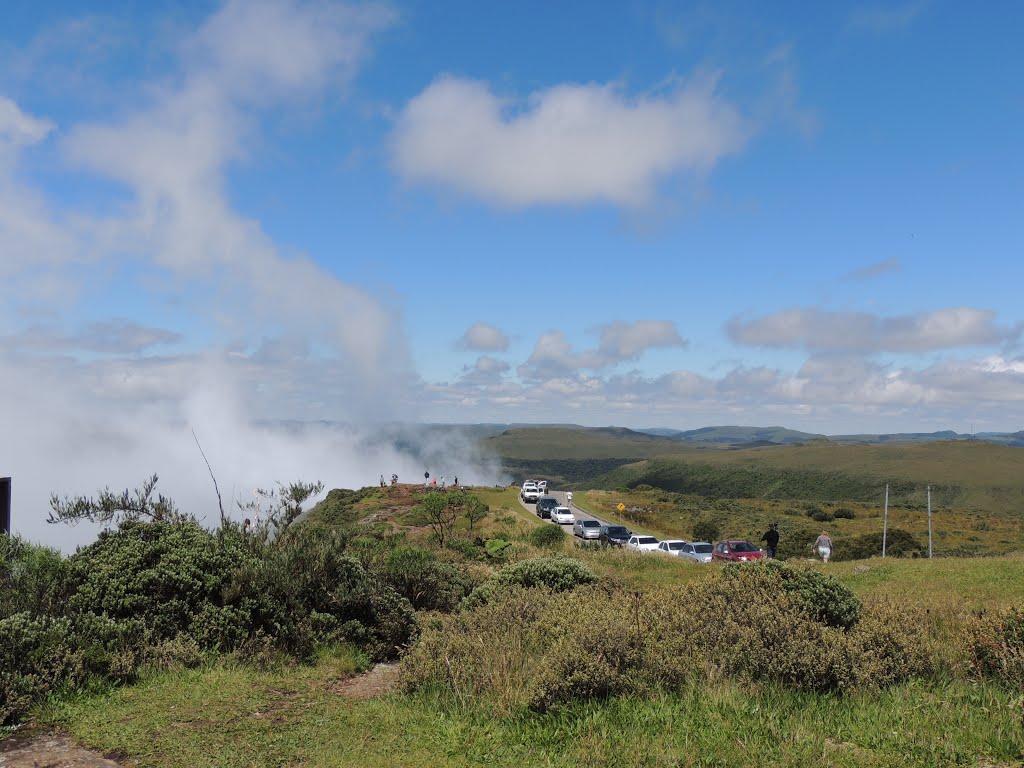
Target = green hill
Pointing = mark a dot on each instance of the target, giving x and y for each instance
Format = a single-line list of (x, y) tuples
[(966, 474)]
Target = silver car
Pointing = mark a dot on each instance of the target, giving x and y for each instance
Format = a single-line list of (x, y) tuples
[(587, 529), (698, 551)]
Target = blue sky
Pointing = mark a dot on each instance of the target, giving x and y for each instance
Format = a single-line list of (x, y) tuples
[(641, 214)]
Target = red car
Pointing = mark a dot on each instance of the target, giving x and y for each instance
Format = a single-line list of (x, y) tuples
[(736, 551)]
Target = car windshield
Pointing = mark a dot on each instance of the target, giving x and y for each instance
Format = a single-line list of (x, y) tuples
[(617, 530), (646, 540), (590, 524), (676, 545), (743, 546), (562, 510), (703, 549)]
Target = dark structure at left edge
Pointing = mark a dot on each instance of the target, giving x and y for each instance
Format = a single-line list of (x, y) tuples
[(5, 505)]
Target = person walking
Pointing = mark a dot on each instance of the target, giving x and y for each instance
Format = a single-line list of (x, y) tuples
[(568, 497), (823, 546), (771, 539)]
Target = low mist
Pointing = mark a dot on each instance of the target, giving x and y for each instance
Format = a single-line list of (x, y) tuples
[(62, 435)]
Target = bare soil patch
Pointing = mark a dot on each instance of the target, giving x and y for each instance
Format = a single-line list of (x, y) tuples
[(382, 679)]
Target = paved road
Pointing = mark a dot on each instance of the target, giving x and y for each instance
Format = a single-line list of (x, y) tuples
[(578, 513)]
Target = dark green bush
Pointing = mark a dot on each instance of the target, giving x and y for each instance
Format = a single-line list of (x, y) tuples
[(423, 580), (821, 516), (898, 543), (844, 514), (822, 597), (37, 657), (547, 536)]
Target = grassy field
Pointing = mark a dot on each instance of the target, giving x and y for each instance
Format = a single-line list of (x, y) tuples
[(239, 717)]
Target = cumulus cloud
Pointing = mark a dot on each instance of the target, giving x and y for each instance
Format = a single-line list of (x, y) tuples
[(483, 337), (553, 356), (823, 330), (18, 129), (568, 144), (486, 370), (627, 341)]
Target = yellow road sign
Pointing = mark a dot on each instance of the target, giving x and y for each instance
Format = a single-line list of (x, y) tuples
[(621, 506)]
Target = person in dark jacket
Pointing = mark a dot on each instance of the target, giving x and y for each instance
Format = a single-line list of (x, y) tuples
[(771, 538)]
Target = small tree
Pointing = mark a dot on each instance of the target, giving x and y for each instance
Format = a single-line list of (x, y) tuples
[(439, 511), (110, 507), (276, 510), (706, 529), (476, 511)]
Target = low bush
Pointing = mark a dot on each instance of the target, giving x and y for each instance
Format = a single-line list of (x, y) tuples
[(844, 514), (996, 645), (764, 622), (547, 537), (820, 515), (554, 573)]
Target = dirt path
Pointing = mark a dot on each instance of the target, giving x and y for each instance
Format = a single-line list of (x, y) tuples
[(49, 750)]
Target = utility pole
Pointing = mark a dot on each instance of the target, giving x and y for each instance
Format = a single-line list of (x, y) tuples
[(885, 519), (929, 522)]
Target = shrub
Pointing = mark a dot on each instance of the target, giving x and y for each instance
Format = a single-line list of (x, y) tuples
[(888, 645), (899, 543), (821, 516), (996, 645), (426, 582), (31, 578), (554, 573), (822, 597), (37, 657), (547, 537), (706, 529), (844, 514)]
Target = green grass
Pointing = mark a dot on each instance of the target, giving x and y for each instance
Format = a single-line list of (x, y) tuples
[(238, 717)]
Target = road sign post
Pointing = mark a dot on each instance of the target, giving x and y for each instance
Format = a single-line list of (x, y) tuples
[(5, 505)]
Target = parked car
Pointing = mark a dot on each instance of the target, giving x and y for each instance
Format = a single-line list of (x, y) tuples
[(544, 506), (698, 551), (563, 516), (736, 551), (587, 529), (642, 543), (615, 535), (530, 492), (671, 546)]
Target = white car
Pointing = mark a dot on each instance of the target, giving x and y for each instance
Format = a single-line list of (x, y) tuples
[(642, 543), (672, 546), (530, 492), (543, 485), (562, 516)]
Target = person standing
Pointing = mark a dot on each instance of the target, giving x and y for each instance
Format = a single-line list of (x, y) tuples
[(823, 546), (568, 497), (771, 539)]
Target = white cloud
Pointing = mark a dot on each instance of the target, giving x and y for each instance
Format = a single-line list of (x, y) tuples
[(483, 337), (553, 356), (568, 144), (18, 129), (822, 330), (627, 341)]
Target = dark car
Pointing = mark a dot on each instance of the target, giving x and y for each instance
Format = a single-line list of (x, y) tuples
[(544, 506), (736, 551), (615, 535)]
